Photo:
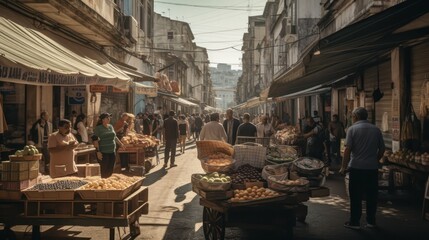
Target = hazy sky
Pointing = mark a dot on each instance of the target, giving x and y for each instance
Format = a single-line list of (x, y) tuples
[(217, 25)]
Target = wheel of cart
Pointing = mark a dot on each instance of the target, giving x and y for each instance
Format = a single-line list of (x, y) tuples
[(213, 224)]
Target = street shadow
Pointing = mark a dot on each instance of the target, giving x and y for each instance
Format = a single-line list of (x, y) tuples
[(153, 177), (181, 192), (54, 233)]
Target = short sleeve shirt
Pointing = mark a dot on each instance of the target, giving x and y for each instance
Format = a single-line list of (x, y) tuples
[(365, 141), (107, 136)]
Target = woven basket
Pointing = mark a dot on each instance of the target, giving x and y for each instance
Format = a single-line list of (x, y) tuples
[(309, 166), (282, 169), (207, 148), (211, 168), (273, 183)]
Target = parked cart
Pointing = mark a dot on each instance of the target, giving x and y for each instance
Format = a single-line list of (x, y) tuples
[(278, 213)]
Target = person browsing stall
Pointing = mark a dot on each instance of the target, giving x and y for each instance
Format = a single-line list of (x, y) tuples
[(61, 145), (363, 149), (213, 130), (105, 140), (230, 124)]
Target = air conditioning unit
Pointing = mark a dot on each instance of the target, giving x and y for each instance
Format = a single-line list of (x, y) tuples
[(131, 27)]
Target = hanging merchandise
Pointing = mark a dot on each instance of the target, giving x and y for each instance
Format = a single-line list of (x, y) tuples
[(424, 114), (377, 95), (385, 122), (411, 130)]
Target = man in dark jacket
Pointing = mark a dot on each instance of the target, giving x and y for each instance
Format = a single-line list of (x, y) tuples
[(171, 136), (231, 125), (198, 126), (246, 129)]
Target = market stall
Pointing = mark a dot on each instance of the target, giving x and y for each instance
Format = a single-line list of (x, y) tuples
[(241, 189), (28, 198), (140, 148), (291, 136)]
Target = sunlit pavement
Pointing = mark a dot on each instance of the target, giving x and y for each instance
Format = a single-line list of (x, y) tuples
[(175, 213)]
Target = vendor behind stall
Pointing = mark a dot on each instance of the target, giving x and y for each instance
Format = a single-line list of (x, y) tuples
[(61, 145)]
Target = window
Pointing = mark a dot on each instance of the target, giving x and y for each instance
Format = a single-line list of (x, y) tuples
[(142, 14)]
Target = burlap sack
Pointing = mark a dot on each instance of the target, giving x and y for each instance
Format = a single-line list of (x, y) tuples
[(209, 147)]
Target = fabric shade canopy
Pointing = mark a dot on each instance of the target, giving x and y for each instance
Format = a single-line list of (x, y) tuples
[(184, 102), (40, 57)]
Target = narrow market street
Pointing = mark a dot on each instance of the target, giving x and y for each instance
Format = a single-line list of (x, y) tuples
[(175, 213)]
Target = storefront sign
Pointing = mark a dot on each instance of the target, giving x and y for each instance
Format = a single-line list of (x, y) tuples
[(76, 95), (98, 88), (149, 91), (29, 76), (117, 90)]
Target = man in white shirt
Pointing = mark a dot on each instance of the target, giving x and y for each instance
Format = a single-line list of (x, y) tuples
[(213, 130)]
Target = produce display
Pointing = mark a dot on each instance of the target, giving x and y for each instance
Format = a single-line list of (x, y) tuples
[(114, 182), (58, 185), (405, 156), (284, 184), (281, 153), (299, 181), (139, 139), (290, 135), (215, 177), (308, 165), (217, 162), (253, 193), (246, 173), (28, 150)]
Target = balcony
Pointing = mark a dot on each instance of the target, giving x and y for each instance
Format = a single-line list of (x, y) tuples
[(97, 21)]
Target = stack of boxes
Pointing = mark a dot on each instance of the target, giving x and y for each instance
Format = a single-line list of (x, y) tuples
[(16, 176)]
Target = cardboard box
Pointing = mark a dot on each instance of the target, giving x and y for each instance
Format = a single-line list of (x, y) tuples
[(19, 185), (88, 170)]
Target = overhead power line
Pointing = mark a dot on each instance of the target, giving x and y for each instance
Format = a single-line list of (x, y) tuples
[(233, 8)]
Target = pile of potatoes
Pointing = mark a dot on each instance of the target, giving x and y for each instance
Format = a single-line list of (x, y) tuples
[(253, 193)]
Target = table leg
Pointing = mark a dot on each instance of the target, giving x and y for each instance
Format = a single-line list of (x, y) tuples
[(112, 233), (36, 233)]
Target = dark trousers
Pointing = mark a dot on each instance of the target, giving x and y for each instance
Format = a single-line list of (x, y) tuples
[(46, 157), (125, 159), (363, 182), (170, 146), (107, 164)]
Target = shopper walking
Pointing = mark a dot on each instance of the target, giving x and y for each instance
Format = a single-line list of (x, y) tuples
[(183, 132), (264, 130), (364, 148), (198, 125), (213, 130), (171, 131), (105, 140), (336, 133), (230, 124)]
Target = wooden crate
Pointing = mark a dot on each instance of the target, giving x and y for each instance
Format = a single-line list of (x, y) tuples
[(108, 194), (35, 157), (18, 166), (46, 209), (19, 185), (137, 202), (24, 175), (319, 192), (10, 195), (88, 170), (49, 195), (213, 195)]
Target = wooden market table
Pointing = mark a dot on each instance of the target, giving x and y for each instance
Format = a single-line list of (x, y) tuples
[(279, 213), (85, 153), (123, 213)]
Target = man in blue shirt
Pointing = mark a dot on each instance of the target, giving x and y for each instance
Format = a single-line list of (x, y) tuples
[(364, 148)]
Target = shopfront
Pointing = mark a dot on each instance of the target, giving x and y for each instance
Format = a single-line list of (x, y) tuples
[(44, 71)]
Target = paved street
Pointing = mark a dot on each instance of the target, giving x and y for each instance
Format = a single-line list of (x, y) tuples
[(175, 213)]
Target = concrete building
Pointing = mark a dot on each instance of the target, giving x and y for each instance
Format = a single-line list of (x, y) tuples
[(224, 85)]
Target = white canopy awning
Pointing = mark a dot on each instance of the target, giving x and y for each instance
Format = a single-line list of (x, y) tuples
[(40, 57)]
